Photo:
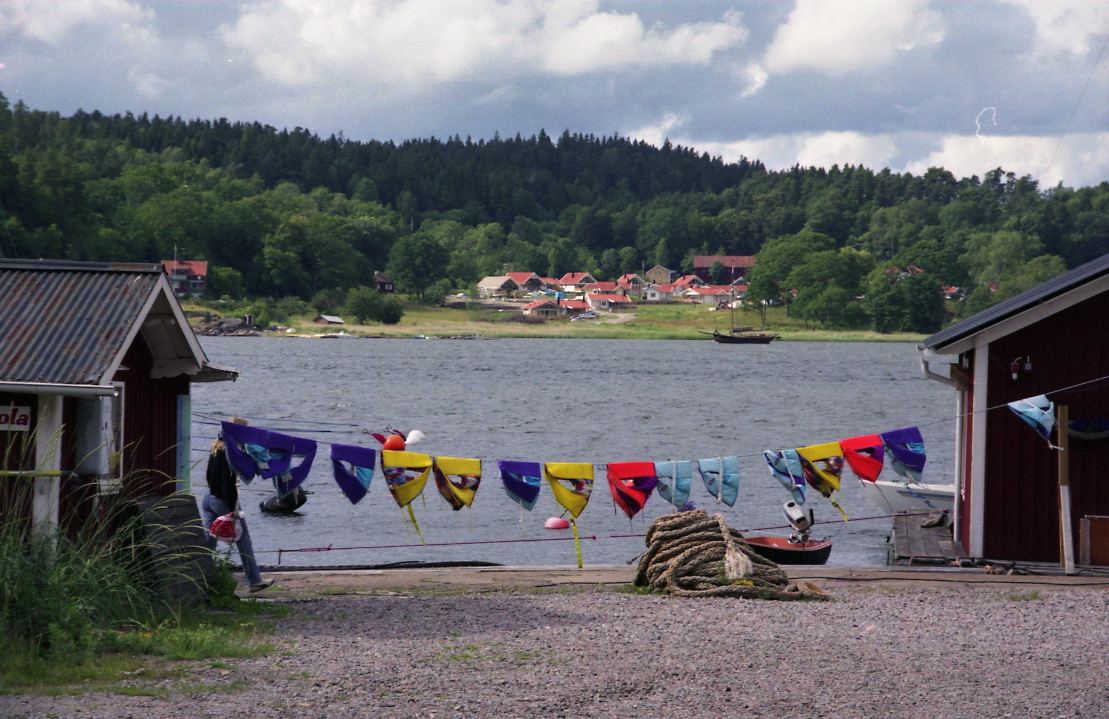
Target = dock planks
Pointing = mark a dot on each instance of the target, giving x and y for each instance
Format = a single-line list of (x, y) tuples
[(914, 544)]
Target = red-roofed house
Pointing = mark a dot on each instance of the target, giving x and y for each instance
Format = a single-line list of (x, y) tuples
[(686, 281), (601, 301), (659, 293), (573, 307), (547, 309), (709, 295), (550, 283), (734, 265), (188, 278), (609, 288), (574, 281), (630, 282), (527, 281)]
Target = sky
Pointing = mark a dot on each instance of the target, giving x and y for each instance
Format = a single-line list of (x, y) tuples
[(969, 85)]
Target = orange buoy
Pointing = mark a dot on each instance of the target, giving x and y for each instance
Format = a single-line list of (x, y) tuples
[(557, 523), (394, 442)]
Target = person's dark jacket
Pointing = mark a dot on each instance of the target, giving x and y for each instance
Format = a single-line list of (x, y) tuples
[(221, 479)]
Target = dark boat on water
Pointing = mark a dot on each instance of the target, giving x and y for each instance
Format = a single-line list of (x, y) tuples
[(740, 335), (744, 337), (786, 550)]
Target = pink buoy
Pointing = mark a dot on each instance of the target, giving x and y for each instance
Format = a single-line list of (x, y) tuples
[(556, 523)]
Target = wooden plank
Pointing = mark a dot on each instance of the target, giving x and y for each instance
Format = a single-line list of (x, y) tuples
[(1066, 532)]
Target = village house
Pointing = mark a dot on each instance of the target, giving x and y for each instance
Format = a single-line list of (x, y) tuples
[(526, 281), (631, 284), (659, 293), (605, 288), (188, 278), (547, 309), (713, 295), (734, 266), (497, 286), (96, 361), (383, 282), (686, 281), (1016, 497), (608, 302), (659, 275), (575, 281), (328, 320)]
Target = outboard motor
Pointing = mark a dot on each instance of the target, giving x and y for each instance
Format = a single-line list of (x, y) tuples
[(799, 521)]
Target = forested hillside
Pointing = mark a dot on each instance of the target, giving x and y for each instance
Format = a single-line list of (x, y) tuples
[(288, 214)]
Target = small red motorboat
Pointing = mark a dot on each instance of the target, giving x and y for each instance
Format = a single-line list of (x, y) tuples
[(790, 550)]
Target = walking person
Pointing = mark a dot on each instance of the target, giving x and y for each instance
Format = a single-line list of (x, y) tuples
[(223, 498)]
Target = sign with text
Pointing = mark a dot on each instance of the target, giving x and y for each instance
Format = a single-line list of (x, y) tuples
[(15, 419)]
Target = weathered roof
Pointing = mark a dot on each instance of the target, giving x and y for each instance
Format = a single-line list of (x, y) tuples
[(496, 282), (69, 323), (575, 278), (196, 268), (1015, 305), (707, 261)]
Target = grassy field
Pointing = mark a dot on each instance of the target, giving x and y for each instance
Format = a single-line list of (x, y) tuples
[(672, 321)]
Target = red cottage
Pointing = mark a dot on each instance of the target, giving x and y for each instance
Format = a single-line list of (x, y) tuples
[(95, 365), (1052, 339)]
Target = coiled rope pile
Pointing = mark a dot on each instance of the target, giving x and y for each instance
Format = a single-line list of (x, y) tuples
[(691, 554)]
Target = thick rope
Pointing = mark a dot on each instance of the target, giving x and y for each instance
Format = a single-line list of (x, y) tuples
[(691, 554)]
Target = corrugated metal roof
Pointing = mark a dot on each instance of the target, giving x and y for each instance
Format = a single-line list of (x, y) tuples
[(64, 322), (1015, 305)]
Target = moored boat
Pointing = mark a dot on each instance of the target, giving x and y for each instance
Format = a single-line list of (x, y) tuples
[(743, 338), (894, 496), (789, 550)]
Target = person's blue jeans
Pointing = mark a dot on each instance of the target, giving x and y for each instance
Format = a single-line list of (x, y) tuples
[(212, 507)]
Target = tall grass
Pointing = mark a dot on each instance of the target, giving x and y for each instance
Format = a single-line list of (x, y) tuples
[(60, 592)]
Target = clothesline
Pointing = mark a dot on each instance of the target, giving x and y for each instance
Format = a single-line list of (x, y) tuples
[(212, 420)]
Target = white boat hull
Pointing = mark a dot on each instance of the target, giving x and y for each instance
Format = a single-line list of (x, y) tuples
[(894, 497)]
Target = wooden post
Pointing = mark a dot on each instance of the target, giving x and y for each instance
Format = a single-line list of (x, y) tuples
[(1066, 535)]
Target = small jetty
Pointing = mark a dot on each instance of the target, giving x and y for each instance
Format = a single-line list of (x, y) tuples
[(923, 539)]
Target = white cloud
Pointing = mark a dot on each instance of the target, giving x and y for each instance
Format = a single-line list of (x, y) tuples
[(1076, 159), (408, 44), (836, 37), (1066, 26), (818, 149), (52, 22), (656, 134)]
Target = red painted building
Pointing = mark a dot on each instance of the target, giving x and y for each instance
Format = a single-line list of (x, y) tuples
[(100, 357), (1053, 340)]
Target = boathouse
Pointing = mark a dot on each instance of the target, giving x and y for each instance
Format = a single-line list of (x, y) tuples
[(1053, 340), (96, 360)]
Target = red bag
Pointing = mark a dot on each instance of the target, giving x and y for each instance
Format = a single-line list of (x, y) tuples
[(226, 528)]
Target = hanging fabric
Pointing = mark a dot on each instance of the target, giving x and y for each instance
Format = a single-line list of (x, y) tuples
[(353, 468), (457, 479), (906, 450), (674, 481), (1039, 413), (721, 477), (253, 451), (823, 465), (785, 466), (406, 475), (571, 483), (864, 455), (521, 481), (631, 484)]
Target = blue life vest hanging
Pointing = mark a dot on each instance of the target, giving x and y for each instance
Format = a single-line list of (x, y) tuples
[(721, 477), (1038, 412)]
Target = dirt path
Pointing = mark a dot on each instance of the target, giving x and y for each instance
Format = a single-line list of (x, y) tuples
[(455, 643)]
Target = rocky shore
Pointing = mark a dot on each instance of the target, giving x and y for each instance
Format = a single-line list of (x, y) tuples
[(916, 647)]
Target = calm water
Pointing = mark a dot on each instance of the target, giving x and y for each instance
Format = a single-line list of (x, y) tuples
[(562, 400)]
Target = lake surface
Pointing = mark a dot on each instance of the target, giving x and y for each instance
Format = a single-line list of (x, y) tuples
[(562, 400)]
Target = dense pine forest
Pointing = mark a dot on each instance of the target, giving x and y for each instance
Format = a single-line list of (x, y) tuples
[(287, 214)]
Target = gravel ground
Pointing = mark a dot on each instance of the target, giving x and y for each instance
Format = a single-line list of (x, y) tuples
[(874, 651)]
